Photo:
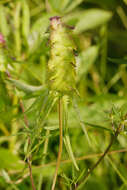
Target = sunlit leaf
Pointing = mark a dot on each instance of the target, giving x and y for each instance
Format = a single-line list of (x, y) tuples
[(91, 19), (8, 160), (87, 58)]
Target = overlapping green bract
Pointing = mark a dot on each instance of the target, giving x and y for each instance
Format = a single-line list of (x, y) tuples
[(62, 62)]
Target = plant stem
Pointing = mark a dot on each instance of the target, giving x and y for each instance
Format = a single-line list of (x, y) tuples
[(43, 160), (30, 171), (17, 23), (29, 142), (81, 184), (14, 126), (86, 157), (117, 171), (60, 144)]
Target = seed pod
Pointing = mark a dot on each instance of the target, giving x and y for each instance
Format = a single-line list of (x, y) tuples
[(62, 62)]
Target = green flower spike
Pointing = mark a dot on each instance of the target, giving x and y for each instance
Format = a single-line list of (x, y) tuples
[(62, 64)]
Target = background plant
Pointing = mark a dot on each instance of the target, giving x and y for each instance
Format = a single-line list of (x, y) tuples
[(100, 38)]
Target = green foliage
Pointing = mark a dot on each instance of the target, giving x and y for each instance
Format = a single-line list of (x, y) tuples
[(37, 63), (9, 160), (91, 19)]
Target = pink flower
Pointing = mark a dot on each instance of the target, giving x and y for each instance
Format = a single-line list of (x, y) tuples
[(2, 41)]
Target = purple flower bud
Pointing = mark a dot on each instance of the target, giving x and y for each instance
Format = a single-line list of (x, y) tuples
[(55, 21), (2, 41), (54, 18)]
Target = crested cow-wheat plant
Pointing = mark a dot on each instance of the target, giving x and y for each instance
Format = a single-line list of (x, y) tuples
[(60, 89), (39, 123), (62, 82), (61, 70)]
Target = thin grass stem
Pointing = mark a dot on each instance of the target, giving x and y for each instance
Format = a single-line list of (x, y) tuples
[(29, 142), (43, 160), (60, 144)]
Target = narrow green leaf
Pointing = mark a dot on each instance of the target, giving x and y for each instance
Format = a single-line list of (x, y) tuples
[(87, 58), (38, 30), (69, 150), (25, 87), (82, 124), (55, 4), (3, 21), (51, 128), (91, 19), (73, 5), (98, 127), (118, 60), (25, 19)]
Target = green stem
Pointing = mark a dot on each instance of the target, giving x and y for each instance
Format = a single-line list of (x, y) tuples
[(80, 186), (29, 158), (103, 50), (60, 144), (43, 161), (14, 126), (117, 171), (17, 23)]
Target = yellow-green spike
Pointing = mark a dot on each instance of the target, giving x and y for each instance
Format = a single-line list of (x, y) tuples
[(62, 62)]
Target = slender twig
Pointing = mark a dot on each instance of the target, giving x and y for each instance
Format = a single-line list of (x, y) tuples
[(29, 142), (60, 144), (90, 156), (80, 185)]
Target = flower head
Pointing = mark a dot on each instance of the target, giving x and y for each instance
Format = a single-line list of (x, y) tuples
[(62, 60)]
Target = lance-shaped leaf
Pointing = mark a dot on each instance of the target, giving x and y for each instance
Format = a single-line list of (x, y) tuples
[(92, 19), (118, 60), (25, 19), (69, 150), (25, 87), (4, 27)]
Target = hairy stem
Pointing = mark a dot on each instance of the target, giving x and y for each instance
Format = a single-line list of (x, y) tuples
[(80, 185), (60, 144), (29, 142)]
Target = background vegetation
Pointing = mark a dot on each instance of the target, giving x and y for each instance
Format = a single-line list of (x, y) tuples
[(27, 127)]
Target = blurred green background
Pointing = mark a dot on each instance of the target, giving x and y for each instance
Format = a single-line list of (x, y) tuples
[(100, 35)]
